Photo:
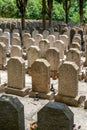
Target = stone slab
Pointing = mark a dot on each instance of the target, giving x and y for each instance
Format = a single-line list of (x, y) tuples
[(42, 95), (76, 102), (22, 92)]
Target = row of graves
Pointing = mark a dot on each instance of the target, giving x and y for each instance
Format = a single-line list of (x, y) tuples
[(44, 58)]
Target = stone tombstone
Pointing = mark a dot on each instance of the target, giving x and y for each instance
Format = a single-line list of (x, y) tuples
[(74, 55), (15, 30), (26, 36), (41, 76), (59, 44), (45, 34), (5, 40), (7, 30), (68, 79), (33, 53), (77, 39), (72, 33), (16, 35), (34, 33), (51, 39), (56, 34), (55, 116), (38, 38), (28, 43), (65, 39), (16, 51), (44, 46), (85, 63), (2, 54), (16, 41), (52, 56), (11, 113), (16, 73), (76, 45), (1, 32)]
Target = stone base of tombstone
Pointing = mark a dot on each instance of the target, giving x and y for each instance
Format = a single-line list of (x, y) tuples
[(76, 102), (42, 95), (54, 74), (23, 92)]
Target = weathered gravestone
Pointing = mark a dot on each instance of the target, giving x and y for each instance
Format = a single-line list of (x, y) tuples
[(76, 39), (11, 113), (74, 55), (44, 46), (68, 84), (16, 77), (38, 38), (59, 44), (33, 53), (51, 39), (28, 42), (41, 79), (16, 51), (53, 57), (55, 116), (76, 45), (45, 34), (15, 41), (2, 55)]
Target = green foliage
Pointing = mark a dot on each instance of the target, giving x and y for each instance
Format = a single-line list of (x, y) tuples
[(58, 12), (8, 9)]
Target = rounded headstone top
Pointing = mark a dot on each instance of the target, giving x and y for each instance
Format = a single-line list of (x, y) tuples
[(46, 63)]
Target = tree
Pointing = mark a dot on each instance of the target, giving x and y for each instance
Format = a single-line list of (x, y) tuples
[(50, 7), (81, 2), (66, 7), (44, 14), (21, 4)]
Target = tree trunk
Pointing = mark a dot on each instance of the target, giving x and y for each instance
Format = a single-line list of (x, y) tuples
[(66, 11), (50, 6), (23, 21), (44, 14), (81, 10)]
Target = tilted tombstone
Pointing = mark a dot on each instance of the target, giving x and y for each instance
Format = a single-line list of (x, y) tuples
[(55, 116), (2, 55), (16, 51), (45, 34), (51, 39), (60, 46), (33, 53), (16, 73), (38, 38), (52, 56), (16, 41), (11, 113), (28, 43), (41, 79), (74, 55), (44, 46)]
